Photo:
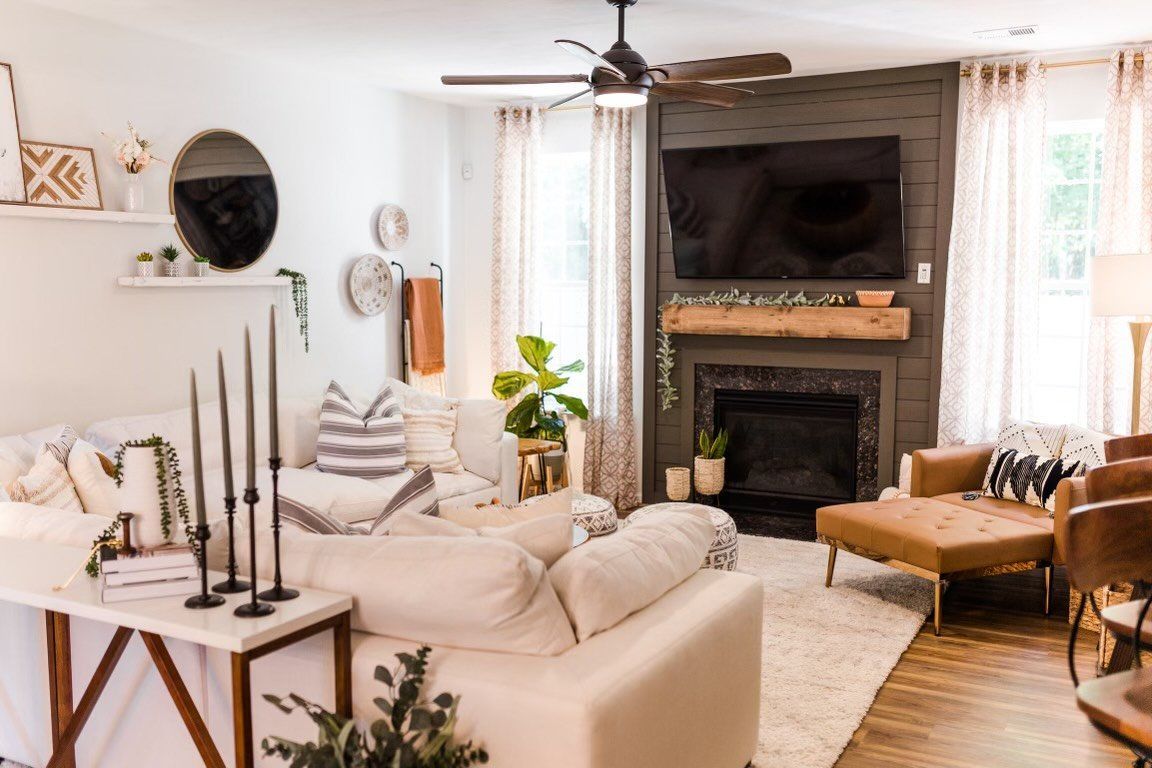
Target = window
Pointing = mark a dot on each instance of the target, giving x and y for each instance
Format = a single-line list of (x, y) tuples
[(562, 271), (1074, 157)]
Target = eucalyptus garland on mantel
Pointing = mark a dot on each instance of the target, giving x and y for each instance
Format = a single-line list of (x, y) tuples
[(299, 300), (666, 354)]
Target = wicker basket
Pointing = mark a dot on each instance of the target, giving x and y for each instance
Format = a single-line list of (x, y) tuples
[(709, 476), (678, 483), (1105, 597)]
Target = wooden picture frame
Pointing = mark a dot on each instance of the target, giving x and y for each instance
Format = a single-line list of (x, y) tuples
[(11, 168), (60, 176)]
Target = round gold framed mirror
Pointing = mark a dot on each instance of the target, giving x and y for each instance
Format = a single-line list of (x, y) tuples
[(224, 198)]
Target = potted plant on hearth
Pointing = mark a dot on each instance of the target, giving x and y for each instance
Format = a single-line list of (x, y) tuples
[(170, 253), (144, 264), (710, 462)]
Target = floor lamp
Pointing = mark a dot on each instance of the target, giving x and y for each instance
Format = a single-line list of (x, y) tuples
[(1122, 287)]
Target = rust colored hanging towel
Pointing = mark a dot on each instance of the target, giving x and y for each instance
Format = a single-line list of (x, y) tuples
[(426, 325)]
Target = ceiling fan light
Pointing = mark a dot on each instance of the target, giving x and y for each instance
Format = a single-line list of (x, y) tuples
[(621, 95)]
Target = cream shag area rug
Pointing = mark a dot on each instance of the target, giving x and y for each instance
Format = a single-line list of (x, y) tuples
[(826, 651)]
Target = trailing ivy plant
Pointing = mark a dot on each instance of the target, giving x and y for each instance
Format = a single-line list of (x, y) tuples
[(108, 536), (666, 353), (531, 416), (414, 732), (299, 300)]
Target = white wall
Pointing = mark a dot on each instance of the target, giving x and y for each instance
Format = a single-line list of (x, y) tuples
[(75, 347)]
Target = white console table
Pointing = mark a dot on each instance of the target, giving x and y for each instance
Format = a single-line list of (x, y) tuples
[(29, 569)]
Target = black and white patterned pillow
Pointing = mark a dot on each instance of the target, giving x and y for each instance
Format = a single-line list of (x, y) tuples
[(367, 443), (417, 496), (1085, 445), (1028, 478), (1027, 438)]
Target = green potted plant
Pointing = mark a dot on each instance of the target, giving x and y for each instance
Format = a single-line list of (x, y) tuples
[(710, 462), (170, 253), (202, 264), (414, 732), (144, 264), (532, 416)]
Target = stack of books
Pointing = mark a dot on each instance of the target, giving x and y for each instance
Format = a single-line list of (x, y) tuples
[(164, 571)]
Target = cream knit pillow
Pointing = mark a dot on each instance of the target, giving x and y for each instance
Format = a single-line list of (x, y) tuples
[(47, 484), (428, 435)]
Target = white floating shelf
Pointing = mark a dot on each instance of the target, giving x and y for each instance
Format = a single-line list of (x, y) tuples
[(271, 281), (75, 214)]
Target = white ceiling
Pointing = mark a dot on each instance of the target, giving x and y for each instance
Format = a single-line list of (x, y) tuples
[(408, 44)]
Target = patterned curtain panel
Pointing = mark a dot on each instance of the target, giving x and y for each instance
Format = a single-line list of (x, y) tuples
[(1125, 226), (610, 447), (990, 319), (519, 135)]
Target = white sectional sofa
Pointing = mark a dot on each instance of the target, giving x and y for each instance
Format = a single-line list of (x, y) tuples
[(676, 684)]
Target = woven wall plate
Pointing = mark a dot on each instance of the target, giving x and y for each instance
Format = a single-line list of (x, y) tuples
[(392, 227), (371, 284)]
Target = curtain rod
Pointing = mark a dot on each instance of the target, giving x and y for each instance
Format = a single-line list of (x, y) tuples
[(967, 71)]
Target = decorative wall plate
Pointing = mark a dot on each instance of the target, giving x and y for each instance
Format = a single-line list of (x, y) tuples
[(371, 284), (393, 227)]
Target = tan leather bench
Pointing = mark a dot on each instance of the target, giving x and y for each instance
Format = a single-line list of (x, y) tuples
[(936, 540)]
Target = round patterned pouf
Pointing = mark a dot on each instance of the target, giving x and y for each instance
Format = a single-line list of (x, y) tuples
[(724, 552), (592, 513)]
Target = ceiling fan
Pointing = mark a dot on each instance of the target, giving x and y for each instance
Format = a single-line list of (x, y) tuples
[(622, 78)]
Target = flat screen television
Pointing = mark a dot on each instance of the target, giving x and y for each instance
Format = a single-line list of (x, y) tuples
[(800, 209)]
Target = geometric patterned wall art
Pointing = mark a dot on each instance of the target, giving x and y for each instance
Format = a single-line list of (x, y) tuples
[(60, 176)]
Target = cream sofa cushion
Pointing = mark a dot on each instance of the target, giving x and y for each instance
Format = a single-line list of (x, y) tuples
[(606, 580), (547, 538), (496, 515), (97, 491), (30, 522), (428, 434), (467, 592)]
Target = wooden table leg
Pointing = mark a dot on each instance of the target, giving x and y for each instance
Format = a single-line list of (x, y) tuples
[(242, 709), (58, 634), (342, 638), (183, 700)]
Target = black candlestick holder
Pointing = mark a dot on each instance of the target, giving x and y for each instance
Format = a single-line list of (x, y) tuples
[(205, 599), (278, 592), (255, 608), (232, 585)]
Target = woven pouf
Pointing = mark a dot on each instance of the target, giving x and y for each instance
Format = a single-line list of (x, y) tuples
[(724, 552), (592, 513)]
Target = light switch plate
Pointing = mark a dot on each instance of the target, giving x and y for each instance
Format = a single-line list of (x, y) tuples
[(466, 171), (924, 273)]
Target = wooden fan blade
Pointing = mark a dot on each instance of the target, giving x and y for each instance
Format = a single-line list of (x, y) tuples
[(730, 68), (511, 79), (702, 93), (589, 56), (567, 99)]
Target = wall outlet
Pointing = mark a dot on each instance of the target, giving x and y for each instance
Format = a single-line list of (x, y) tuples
[(466, 171), (924, 273)]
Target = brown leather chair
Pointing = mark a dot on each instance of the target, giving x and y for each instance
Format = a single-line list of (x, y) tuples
[(1131, 447)]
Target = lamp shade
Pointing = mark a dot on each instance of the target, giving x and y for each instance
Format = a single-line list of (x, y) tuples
[(1122, 285)]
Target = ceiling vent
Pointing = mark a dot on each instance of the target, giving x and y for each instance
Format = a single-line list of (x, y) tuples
[(995, 34)]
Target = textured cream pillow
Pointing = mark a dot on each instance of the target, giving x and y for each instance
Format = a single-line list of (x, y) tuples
[(467, 592), (428, 435), (97, 490), (608, 579), (547, 538), (556, 503), (47, 484)]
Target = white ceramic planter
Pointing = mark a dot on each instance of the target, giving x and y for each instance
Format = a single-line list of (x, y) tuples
[(144, 269), (140, 495), (709, 476), (171, 268), (201, 268)]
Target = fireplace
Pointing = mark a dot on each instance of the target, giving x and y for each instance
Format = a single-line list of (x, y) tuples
[(800, 437), (788, 451)]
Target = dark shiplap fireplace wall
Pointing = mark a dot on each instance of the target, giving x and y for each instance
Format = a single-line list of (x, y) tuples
[(916, 103)]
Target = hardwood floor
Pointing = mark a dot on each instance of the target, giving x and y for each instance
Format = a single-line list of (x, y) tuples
[(991, 692)]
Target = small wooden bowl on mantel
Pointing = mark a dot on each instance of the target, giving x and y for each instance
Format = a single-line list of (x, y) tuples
[(875, 299)]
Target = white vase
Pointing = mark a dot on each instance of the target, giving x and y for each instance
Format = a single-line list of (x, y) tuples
[(144, 269), (134, 194), (140, 495)]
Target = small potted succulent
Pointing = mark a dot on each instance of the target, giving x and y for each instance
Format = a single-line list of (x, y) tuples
[(201, 264), (144, 264), (710, 462), (170, 253)]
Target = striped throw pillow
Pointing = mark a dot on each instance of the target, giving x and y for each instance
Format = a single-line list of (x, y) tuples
[(417, 496), (429, 438), (47, 484), (360, 442)]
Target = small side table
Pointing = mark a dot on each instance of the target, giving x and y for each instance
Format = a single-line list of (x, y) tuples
[(529, 447)]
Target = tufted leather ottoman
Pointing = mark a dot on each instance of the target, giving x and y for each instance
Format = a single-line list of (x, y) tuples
[(933, 539)]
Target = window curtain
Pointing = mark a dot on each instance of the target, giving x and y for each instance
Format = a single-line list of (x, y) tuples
[(610, 446), (1125, 226), (519, 136), (990, 339)]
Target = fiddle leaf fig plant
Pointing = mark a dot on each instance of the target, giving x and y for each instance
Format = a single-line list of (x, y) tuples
[(532, 417)]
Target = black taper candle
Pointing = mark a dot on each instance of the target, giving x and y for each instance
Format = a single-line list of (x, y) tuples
[(232, 585), (278, 591), (204, 599)]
